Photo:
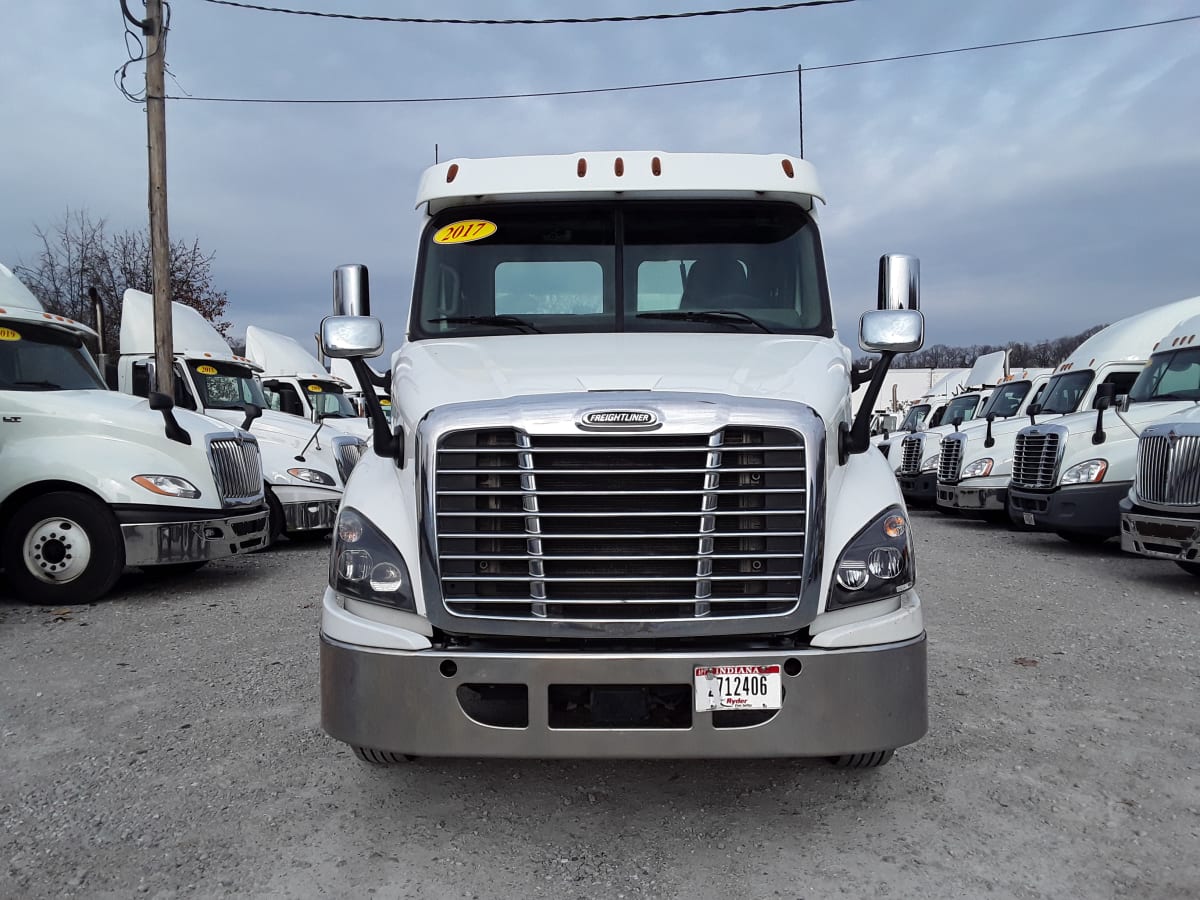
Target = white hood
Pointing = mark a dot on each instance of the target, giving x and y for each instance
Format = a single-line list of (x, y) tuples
[(434, 373)]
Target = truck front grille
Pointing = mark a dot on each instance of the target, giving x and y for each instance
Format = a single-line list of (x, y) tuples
[(621, 527), (950, 465), (237, 469), (1035, 460), (347, 451), (910, 454), (1168, 469)]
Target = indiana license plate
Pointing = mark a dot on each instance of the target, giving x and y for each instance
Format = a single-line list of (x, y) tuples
[(738, 687)]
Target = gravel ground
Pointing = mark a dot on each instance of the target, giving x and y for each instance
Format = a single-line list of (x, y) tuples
[(165, 742)]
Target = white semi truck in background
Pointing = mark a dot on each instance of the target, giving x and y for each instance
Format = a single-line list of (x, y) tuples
[(624, 508), (92, 481), (925, 412), (295, 382), (975, 478), (305, 465), (1070, 475)]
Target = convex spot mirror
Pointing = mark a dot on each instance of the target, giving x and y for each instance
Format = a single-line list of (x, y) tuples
[(348, 337), (891, 330)]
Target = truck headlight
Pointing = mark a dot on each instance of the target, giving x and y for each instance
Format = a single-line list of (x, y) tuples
[(366, 566), (1087, 472), (931, 462), (312, 476), (877, 563), (977, 469), (168, 486)]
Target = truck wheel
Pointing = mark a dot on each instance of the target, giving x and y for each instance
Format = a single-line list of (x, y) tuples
[(863, 760), (1190, 567), (381, 757), (63, 548), (275, 520)]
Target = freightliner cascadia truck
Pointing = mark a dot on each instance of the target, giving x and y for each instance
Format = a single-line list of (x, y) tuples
[(623, 507), (92, 481)]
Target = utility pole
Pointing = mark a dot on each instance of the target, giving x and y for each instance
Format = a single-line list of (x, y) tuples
[(160, 245)]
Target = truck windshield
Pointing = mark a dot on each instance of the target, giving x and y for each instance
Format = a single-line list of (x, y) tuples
[(718, 266), (328, 399), (45, 358), (1065, 392), (914, 419), (223, 385), (961, 406), (1006, 400), (1170, 376)]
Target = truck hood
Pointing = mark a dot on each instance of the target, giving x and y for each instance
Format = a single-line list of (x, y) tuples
[(433, 373), (108, 412)]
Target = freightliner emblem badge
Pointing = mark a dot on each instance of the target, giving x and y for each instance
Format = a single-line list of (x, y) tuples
[(622, 419)]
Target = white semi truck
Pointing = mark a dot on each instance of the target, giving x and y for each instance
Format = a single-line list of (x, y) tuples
[(1070, 475), (624, 509), (305, 465), (925, 412), (92, 481), (1160, 517), (975, 477), (295, 382)]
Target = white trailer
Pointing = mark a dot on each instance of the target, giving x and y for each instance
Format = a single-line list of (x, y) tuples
[(92, 481), (305, 466), (625, 508)]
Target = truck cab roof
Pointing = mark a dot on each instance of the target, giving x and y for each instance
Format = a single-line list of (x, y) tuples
[(1130, 339), (193, 335)]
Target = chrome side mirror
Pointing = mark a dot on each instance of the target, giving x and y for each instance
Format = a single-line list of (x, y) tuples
[(899, 282), (891, 330), (351, 291), (348, 337)]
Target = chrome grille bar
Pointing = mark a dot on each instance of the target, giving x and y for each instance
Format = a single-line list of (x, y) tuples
[(950, 465), (1168, 468), (237, 468), (1035, 459), (910, 454)]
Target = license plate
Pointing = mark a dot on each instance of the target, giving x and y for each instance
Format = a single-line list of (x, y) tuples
[(1028, 517), (738, 687)]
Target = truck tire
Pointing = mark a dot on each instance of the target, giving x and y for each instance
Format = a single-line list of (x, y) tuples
[(863, 760), (275, 520), (381, 757), (63, 548)]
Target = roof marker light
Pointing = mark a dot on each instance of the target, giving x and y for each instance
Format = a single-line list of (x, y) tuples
[(452, 172), (788, 169), (619, 167), (656, 166), (581, 167)]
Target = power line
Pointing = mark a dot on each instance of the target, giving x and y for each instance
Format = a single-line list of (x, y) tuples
[(650, 17), (684, 82)]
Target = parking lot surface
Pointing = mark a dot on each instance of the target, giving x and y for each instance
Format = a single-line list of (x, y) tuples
[(165, 742)]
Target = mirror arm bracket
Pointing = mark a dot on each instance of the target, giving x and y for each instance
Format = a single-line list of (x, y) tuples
[(162, 403), (384, 442), (860, 433)]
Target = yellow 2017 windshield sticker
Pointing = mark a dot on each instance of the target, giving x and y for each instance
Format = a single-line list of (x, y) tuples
[(315, 389), (464, 232), (7, 334), (207, 370)]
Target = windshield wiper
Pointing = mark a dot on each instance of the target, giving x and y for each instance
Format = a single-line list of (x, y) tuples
[(502, 321), (39, 385), (716, 316)]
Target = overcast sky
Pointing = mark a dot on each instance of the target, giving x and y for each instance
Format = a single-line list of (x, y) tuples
[(1046, 188)]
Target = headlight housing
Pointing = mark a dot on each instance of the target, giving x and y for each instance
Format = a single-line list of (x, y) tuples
[(977, 469), (931, 462), (313, 476), (877, 563), (168, 486), (366, 566), (1088, 472)]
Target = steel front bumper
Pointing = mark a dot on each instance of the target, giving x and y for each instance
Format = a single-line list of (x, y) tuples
[(972, 499), (920, 489), (1082, 509), (151, 542), (1161, 536), (842, 701)]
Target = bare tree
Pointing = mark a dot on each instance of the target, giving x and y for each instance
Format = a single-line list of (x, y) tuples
[(79, 253)]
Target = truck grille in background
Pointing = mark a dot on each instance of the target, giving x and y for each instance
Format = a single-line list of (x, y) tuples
[(1035, 460), (237, 469), (630, 527), (950, 464), (910, 454), (1168, 470), (347, 451)]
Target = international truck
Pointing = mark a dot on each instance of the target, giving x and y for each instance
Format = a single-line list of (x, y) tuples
[(915, 456), (623, 508), (974, 478), (305, 465), (92, 481), (295, 382), (1160, 517), (1070, 475)]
